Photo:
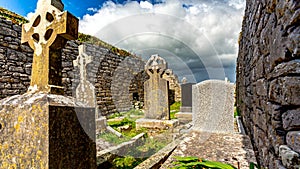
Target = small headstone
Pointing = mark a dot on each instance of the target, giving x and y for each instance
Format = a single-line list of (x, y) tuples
[(213, 106), (185, 114), (184, 80), (186, 97)]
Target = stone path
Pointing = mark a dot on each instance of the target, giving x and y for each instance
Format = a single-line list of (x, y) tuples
[(228, 148)]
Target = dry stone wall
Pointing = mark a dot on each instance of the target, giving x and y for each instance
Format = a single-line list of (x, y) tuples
[(268, 80), (117, 79)]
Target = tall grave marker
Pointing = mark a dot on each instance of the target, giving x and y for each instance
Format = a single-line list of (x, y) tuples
[(41, 129), (157, 114)]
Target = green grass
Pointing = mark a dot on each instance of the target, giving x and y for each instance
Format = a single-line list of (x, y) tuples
[(174, 108), (137, 155), (112, 138), (198, 163), (236, 112)]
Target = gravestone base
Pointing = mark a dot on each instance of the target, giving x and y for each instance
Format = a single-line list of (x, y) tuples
[(156, 124), (187, 109), (100, 125), (184, 117), (46, 131)]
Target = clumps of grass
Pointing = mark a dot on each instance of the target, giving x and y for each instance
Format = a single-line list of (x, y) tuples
[(174, 108), (112, 138), (140, 153), (198, 163), (15, 18)]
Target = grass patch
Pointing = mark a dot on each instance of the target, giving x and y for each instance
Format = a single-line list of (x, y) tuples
[(140, 153), (112, 138), (174, 108), (198, 163), (236, 112)]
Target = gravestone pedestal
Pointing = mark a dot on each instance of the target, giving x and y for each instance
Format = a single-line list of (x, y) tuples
[(185, 115), (46, 131)]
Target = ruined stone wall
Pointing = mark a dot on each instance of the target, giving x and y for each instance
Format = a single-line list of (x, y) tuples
[(115, 77), (268, 80)]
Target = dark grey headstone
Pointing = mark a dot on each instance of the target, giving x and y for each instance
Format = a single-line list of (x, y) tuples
[(186, 94)]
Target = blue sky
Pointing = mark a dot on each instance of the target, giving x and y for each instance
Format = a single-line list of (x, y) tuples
[(198, 38), (77, 8)]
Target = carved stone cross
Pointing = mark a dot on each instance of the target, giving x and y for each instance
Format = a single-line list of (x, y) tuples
[(85, 92), (47, 32), (156, 90), (156, 65)]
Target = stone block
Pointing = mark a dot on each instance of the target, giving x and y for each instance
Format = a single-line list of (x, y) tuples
[(289, 158), (184, 117), (285, 90), (156, 124), (293, 140), (291, 119), (46, 131), (213, 106), (186, 109), (101, 124)]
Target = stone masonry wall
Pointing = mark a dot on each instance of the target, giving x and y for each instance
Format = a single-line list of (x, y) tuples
[(268, 80), (115, 77)]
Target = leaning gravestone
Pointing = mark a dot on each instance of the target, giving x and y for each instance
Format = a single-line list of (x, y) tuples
[(42, 129), (213, 106), (157, 114)]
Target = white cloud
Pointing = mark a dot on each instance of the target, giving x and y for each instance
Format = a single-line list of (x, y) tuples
[(92, 9), (146, 5), (198, 30)]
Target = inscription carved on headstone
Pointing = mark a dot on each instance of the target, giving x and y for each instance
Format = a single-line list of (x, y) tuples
[(156, 90), (41, 129), (46, 33)]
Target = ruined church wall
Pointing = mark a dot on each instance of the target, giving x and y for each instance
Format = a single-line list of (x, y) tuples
[(268, 80), (115, 77)]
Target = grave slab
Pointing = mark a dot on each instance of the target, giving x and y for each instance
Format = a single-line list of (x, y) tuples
[(156, 124)]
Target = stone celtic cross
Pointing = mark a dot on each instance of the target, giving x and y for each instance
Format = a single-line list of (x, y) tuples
[(156, 65), (47, 33), (156, 89), (85, 92)]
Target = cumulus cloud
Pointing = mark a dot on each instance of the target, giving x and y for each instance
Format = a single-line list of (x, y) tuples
[(197, 37)]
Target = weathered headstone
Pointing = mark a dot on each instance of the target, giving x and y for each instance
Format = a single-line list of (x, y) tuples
[(185, 114), (156, 90), (85, 91), (41, 129), (213, 106), (156, 94)]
